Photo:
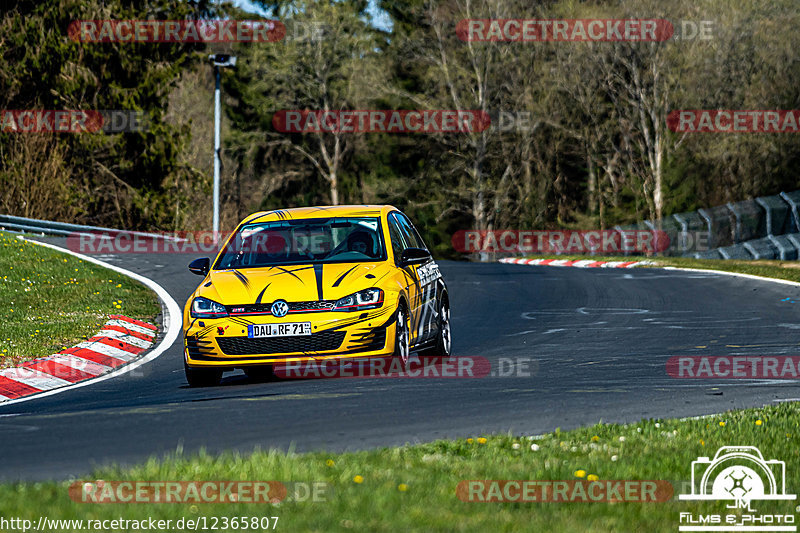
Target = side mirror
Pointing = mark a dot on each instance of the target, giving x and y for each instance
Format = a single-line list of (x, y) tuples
[(200, 266), (414, 256)]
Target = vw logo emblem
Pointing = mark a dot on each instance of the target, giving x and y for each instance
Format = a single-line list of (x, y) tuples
[(279, 308)]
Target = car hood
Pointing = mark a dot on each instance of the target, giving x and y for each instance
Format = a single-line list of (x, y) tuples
[(293, 283)]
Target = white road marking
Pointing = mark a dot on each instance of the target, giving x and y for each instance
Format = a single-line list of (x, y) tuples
[(124, 337), (79, 363), (105, 349), (131, 326), (34, 378)]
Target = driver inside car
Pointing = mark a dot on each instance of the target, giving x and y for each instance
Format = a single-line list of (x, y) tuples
[(361, 242)]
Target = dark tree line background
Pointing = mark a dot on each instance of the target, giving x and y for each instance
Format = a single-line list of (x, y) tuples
[(596, 152)]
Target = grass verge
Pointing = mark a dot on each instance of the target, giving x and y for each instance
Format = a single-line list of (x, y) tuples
[(413, 488), (50, 300)]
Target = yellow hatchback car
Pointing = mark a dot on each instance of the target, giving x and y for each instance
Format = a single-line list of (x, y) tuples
[(312, 284)]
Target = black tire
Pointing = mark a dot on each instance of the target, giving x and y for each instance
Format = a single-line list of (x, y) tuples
[(443, 344), (402, 337), (260, 373), (202, 377)]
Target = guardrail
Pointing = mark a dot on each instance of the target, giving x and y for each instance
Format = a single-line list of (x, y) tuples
[(48, 227), (760, 228)]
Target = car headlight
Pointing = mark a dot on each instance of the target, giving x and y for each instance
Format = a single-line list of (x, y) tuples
[(205, 308), (366, 299)]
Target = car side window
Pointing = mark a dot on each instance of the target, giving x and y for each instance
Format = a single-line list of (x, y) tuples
[(396, 236), (409, 232)]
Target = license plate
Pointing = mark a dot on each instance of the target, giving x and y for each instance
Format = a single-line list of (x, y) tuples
[(289, 329)]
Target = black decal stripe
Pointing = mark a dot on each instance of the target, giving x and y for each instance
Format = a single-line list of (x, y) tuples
[(318, 276), (301, 268), (261, 294), (241, 277), (260, 217), (284, 271), (347, 322), (338, 281)]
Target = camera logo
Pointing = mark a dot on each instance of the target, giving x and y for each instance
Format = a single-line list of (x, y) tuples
[(737, 475)]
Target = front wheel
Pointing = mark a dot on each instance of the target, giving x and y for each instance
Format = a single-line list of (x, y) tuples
[(202, 377), (402, 349)]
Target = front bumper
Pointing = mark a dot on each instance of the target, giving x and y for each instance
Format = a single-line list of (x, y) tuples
[(223, 342)]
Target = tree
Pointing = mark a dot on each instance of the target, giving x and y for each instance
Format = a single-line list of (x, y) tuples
[(331, 68)]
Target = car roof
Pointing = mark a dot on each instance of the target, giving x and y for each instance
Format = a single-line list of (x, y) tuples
[(300, 213)]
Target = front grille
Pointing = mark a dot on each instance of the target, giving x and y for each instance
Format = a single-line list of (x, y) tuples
[(316, 342), (294, 307), (249, 308), (317, 305)]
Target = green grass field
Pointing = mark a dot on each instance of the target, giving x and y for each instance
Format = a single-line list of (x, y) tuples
[(50, 300), (413, 488)]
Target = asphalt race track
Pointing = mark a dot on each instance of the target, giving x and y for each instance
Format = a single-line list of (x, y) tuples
[(597, 339)]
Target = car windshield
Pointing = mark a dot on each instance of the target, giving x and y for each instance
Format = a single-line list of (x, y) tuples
[(287, 242)]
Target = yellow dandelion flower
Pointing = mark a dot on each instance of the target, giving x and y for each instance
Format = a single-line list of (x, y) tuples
[(595, 438), (330, 462), (358, 479), (402, 487), (592, 477), (722, 424), (759, 422), (481, 440), (470, 440), (702, 442), (580, 473)]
